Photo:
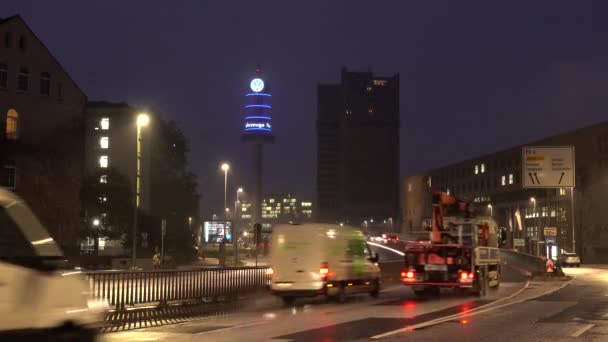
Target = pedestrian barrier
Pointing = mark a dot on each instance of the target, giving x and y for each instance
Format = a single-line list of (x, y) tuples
[(135, 289)]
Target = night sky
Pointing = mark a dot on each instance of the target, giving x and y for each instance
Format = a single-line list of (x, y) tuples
[(476, 77)]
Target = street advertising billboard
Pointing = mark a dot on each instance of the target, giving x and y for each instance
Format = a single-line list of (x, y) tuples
[(548, 167), (216, 231)]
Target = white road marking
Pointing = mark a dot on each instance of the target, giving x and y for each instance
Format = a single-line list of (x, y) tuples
[(582, 330), (471, 312), (234, 327)]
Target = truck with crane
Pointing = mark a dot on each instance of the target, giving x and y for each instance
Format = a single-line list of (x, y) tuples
[(462, 251)]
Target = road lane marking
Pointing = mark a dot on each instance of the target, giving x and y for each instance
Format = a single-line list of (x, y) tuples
[(471, 312), (582, 330), (234, 327)]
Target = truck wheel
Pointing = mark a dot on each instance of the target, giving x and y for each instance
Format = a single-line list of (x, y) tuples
[(375, 289), (340, 297)]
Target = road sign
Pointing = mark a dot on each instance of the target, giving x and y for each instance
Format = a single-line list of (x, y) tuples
[(547, 167), (519, 242), (550, 231), (550, 240)]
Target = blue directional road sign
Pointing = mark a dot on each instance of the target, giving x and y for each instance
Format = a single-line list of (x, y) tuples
[(550, 240)]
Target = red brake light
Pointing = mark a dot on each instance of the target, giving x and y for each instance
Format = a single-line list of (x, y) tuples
[(463, 275), (408, 274), (324, 270)]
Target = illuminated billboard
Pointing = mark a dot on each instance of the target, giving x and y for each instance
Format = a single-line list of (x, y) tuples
[(216, 231), (257, 116)]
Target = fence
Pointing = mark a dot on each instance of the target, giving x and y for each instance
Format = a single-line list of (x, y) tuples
[(126, 289)]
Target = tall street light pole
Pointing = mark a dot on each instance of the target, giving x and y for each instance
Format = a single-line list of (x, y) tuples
[(225, 167), (142, 120), (236, 231)]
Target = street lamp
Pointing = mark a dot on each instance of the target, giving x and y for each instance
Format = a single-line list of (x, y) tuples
[(491, 210), (143, 120), (96, 222), (225, 167)]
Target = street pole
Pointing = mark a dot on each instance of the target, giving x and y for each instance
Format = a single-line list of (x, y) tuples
[(572, 215), (142, 120)]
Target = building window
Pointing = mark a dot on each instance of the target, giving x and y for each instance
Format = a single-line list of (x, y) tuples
[(3, 76), (22, 43), (482, 168), (105, 123), (511, 178), (562, 191), (503, 180), (11, 177), (103, 161), (23, 80), (409, 187), (104, 142), (45, 83), (103, 179), (8, 40), (12, 124), (429, 182), (476, 169)]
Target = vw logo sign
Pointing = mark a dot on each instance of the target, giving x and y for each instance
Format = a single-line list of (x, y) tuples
[(257, 85)]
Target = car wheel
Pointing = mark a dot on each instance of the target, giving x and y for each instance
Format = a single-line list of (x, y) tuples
[(375, 289), (288, 300), (340, 297)]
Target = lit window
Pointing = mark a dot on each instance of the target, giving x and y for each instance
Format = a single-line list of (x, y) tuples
[(103, 179), (12, 124), (483, 168), (103, 161), (45, 83), (503, 180), (23, 80), (10, 180), (429, 182), (3, 76), (562, 191), (105, 123), (476, 169), (104, 142), (271, 200), (511, 178)]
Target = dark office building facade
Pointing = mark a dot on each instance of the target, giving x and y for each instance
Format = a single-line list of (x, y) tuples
[(358, 149), (493, 183)]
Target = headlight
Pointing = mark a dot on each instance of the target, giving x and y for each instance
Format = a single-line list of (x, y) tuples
[(98, 305)]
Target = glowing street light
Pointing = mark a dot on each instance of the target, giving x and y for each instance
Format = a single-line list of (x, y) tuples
[(225, 167), (96, 222), (143, 119), (491, 209)]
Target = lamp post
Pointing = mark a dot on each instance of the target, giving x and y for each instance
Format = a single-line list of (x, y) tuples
[(142, 120), (225, 167), (491, 210), (534, 212), (235, 234)]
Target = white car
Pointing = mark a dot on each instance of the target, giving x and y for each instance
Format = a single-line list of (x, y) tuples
[(37, 299), (321, 259)]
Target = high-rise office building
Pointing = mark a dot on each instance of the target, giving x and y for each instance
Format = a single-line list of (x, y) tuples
[(358, 149)]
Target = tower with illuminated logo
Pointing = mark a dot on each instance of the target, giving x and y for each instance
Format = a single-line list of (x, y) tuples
[(257, 131)]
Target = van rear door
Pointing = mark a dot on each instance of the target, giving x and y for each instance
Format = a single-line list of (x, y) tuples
[(296, 258)]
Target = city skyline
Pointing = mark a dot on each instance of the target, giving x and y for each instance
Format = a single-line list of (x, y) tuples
[(515, 80)]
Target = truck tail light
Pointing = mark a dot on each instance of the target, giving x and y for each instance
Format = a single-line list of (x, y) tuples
[(408, 275), (464, 275)]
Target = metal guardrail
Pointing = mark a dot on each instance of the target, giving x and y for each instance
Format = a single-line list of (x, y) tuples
[(527, 262), (134, 289)]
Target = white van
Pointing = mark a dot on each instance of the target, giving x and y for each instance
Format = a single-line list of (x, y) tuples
[(321, 259), (37, 300)]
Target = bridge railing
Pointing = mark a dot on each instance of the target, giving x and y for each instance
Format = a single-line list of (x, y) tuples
[(124, 289)]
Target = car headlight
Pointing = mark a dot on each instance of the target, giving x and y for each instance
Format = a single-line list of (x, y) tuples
[(98, 305)]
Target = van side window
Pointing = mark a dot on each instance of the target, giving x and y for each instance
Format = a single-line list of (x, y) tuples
[(12, 242), (356, 248)]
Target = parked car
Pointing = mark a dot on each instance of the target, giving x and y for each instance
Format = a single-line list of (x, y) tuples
[(38, 299), (569, 259)]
